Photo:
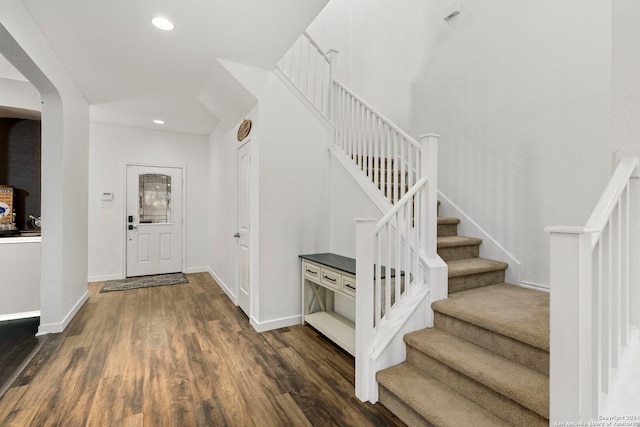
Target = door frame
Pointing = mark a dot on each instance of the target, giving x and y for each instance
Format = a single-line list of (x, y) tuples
[(123, 216)]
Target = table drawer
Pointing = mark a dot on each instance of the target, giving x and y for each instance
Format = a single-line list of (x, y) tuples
[(331, 279), (349, 285), (311, 271)]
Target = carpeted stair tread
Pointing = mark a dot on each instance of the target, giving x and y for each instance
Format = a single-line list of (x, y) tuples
[(437, 403), (466, 267), (447, 226), (520, 384), (512, 311), (443, 220), (454, 241)]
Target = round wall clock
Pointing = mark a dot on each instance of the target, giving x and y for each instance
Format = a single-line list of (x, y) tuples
[(244, 129)]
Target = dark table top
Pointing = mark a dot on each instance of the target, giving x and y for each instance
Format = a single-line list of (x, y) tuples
[(338, 262), (341, 263)]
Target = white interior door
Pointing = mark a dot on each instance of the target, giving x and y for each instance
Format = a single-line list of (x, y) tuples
[(154, 220), (244, 228)]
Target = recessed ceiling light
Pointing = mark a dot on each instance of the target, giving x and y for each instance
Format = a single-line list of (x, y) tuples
[(158, 122), (162, 23)]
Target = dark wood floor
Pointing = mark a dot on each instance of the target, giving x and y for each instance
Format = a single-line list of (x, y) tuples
[(17, 343), (184, 355)]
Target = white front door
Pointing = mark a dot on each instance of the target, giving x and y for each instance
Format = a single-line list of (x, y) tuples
[(154, 220), (244, 227)]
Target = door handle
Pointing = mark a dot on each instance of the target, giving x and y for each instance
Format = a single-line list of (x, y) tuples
[(236, 235), (132, 227)]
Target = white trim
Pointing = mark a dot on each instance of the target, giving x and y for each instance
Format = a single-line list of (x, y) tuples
[(490, 247), (104, 278), (383, 340), (54, 328), (310, 106), (276, 324), (183, 173), (534, 286), (18, 316), (13, 240), (379, 201), (223, 286), (623, 376), (191, 270), (627, 152)]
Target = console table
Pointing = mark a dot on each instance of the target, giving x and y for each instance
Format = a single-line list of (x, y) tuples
[(324, 276)]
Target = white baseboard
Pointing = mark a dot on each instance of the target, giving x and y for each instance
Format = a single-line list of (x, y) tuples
[(223, 285), (18, 316), (275, 324), (490, 247), (104, 278), (197, 270), (54, 328), (534, 286)]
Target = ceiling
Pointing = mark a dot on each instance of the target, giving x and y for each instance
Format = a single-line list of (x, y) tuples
[(132, 73)]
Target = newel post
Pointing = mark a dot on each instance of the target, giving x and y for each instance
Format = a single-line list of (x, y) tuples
[(571, 384), (428, 210), (365, 382)]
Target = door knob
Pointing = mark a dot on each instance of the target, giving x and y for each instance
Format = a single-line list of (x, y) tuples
[(132, 227), (236, 235)]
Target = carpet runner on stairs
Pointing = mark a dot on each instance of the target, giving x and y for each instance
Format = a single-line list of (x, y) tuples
[(486, 361)]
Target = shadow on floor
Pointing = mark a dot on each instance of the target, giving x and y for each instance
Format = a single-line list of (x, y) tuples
[(18, 343)]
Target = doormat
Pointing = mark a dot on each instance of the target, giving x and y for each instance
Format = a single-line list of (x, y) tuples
[(144, 282)]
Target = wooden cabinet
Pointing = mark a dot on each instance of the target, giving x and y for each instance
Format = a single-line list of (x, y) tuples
[(324, 276)]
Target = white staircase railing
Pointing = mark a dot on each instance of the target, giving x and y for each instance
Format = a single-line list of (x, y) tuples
[(590, 320), (398, 257), (384, 152), (408, 273), (309, 69)]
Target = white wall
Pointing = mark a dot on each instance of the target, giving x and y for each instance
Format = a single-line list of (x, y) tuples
[(19, 94), (65, 132), (626, 69), (290, 204), (20, 283), (521, 95), (293, 199), (223, 203), (348, 201), (111, 147)]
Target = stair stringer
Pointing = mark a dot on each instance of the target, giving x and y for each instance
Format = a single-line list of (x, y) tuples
[(490, 248), (374, 194), (389, 348)]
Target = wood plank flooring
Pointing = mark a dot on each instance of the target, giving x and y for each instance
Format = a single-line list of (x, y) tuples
[(184, 355), (18, 342)]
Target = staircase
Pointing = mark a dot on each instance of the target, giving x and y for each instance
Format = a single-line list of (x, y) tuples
[(486, 361)]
